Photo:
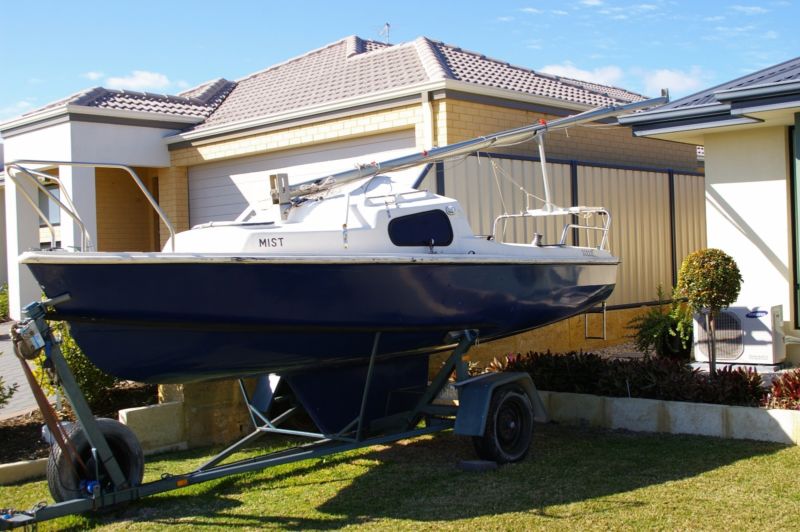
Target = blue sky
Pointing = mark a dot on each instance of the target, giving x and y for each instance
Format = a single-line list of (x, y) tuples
[(50, 49)]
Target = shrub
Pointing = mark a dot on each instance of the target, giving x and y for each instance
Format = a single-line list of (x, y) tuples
[(4, 303), (648, 377), (93, 382), (6, 392), (571, 372), (738, 387), (785, 391), (668, 333)]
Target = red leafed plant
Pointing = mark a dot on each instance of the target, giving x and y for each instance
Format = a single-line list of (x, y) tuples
[(785, 392)]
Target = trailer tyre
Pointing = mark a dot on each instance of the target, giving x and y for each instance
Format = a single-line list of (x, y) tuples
[(64, 479), (509, 427)]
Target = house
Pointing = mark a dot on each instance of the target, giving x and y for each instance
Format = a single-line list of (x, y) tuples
[(206, 153), (749, 130)]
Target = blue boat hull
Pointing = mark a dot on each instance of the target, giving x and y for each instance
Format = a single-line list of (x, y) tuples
[(185, 322)]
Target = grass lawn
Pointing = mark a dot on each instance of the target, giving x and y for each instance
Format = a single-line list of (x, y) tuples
[(575, 478)]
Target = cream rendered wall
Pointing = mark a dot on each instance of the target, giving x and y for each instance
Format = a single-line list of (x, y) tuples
[(22, 223), (748, 212)]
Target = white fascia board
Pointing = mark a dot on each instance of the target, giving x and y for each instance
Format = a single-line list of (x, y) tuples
[(133, 115), (763, 108), (36, 117), (67, 109), (233, 129)]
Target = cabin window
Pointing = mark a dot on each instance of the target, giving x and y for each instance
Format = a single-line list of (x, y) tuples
[(421, 229)]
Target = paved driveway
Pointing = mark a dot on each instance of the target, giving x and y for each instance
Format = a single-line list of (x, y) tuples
[(23, 401)]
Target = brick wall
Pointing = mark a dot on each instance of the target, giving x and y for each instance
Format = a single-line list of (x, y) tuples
[(125, 219), (173, 197), (294, 137)]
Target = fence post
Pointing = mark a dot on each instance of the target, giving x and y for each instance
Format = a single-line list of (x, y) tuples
[(673, 239)]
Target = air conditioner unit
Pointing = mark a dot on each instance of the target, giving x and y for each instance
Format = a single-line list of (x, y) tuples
[(745, 335)]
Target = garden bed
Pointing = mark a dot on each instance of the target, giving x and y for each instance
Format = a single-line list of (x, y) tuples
[(22, 435)]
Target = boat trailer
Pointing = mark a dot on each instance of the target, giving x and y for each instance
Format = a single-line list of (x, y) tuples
[(99, 463)]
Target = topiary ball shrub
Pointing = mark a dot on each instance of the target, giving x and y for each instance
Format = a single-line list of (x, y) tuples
[(709, 279)]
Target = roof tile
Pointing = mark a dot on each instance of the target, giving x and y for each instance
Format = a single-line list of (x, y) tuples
[(343, 70)]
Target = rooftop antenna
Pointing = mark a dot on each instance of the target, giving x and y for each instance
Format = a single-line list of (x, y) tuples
[(385, 31)]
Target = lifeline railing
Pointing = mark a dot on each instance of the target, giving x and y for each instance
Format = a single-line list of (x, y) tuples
[(568, 211), (37, 177)]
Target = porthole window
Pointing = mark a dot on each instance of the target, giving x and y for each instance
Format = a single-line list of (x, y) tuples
[(421, 229)]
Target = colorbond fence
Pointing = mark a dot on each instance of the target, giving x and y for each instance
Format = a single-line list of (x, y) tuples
[(658, 215)]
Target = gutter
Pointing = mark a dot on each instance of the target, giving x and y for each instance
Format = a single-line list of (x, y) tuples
[(235, 129), (772, 89), (675, 114)]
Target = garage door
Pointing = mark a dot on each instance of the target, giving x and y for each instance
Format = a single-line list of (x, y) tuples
[(222, 191)]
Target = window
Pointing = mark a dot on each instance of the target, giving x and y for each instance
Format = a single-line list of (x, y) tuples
[(430, 228), (49, 207)]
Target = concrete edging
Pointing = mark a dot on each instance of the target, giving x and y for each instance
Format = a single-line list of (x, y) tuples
[(25, 470), (675, 417)]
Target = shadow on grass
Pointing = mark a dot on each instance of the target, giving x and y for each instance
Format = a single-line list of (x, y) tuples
[(419, 480)]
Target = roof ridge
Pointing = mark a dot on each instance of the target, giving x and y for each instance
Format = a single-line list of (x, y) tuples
[(211, 91), (295, 58), (432, 61), (577, 82), (353, 45), (88, 96), (531, 70)]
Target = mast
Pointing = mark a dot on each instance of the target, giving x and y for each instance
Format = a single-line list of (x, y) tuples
[(502, 138)]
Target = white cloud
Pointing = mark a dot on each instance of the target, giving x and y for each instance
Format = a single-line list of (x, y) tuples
[(646, 7), (93, 75), (531, 10), (733, 30), (715, 18), (16, 109), (771, 35), (749, 10), (559, 12), (592, 2), (139, 80), (679, 82), (607, 75), (505, 19)]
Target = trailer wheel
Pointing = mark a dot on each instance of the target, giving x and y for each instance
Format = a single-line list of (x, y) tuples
[(65, 479), (509, 427)]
